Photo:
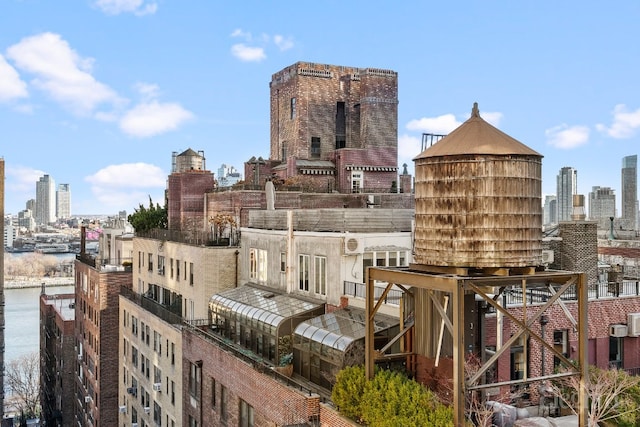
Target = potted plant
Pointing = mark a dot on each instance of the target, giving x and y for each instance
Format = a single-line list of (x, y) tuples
[(285, 365)]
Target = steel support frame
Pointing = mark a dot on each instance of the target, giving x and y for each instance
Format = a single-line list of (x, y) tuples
[(456, 287)]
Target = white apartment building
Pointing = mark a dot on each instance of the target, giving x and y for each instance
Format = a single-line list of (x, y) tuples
[(172, 282), (63, 201), (45, 210)]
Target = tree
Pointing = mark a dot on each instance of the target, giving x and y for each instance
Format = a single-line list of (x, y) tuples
[(23, 381), (608, 393), (390, 399), (145, 219)]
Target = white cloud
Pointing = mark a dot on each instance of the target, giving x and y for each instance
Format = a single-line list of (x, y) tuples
[(247, 53), (439, 125), (128, 176), (282, 42), (127, 185), (153, 118), (11, 86), (492, 117), (148, 91), (567, 137), (242, 34), (408, 148), (61, 72), (625, 123), (22, 179), (137, 7)]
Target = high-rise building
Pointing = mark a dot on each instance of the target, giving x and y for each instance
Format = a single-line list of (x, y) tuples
[(335, 125), (549, 210), (567, 181), (228, 176), (629, 193), (602, 205), (2, 289), (45, 200), (63, 201)]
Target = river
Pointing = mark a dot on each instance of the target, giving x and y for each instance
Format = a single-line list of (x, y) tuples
[(22, 314), (22, 319)]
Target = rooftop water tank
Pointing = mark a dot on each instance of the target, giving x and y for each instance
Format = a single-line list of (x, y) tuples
[(478, 200)]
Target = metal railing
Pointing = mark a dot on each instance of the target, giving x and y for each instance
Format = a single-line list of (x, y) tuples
[(195, 237), (359, 290), (106, 264), (151, 306), (627, 288)]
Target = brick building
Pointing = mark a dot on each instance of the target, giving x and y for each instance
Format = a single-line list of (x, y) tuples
[(186, 186), (97, 287), (172, 283), (333, 126), (57, 350)]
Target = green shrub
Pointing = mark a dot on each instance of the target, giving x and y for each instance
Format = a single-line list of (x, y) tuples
[(390, 399), (347, 391)]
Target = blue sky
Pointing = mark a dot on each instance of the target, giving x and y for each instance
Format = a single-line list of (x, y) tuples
[(99, 93)]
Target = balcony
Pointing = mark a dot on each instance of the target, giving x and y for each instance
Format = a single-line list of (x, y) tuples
[(359, 290), (198, 238), (106, 265), (157, 309)]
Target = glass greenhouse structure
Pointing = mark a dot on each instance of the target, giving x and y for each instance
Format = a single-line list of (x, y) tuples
[(259, 320), (325, 344)]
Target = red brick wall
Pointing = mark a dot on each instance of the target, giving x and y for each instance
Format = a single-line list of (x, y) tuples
[(185, 198), (273, 402)]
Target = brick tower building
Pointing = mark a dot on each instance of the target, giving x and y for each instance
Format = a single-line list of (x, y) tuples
[(336, 126), (186, 186)]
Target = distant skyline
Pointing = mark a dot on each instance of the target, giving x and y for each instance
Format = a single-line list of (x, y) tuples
[(98, 94)]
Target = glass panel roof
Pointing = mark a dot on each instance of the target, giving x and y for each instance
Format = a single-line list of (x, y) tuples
[(271, 308), (340, 328)]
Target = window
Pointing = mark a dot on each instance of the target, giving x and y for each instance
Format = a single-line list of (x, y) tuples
[(320, 273), (283, 262), (293, 108), (134, 326), (173, 393), (192, 422), (171, 267), (356, 181), (223, 403), (560, 344), (150, 266), (157, 342), (134, 356), (284, 151), (615, 352), (173, 354), (303, 266), (315, 146), (246, 414), (142, 331), (194, 380), (213, 392), (157, 414), (341, 126), (161, 265), (178, 269), (191, 273), (258, 265), (518, 360), (157, 375)]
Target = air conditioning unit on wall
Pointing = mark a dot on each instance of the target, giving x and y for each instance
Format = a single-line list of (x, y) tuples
[(352, 246), (547, 257), (123, 409), (633, 324), (618, 331)]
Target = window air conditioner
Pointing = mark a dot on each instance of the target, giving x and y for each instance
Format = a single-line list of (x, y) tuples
[(122, 409), (87, 399), (147, 409), (633, 322), (618, 331), (157, 386)]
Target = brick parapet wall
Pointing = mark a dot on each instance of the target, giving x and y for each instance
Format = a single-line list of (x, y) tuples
[(273, 402)]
